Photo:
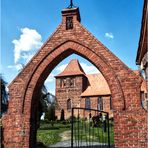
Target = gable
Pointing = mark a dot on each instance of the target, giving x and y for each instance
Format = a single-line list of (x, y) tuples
[(79, 35), (72, 69)]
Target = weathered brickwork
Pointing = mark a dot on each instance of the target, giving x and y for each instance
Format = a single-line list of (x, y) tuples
[(94, 105), (70, 84), (130, 119), (64, 93), (74, 88)]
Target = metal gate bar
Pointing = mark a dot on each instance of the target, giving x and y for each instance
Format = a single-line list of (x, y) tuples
[(90, 128)]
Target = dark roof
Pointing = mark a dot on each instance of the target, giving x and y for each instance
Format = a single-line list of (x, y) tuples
[(142, 47), (73, 68)]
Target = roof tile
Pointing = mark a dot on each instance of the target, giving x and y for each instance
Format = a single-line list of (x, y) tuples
[(73, 68)]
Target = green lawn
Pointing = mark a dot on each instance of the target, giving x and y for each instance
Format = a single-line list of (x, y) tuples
[(85, 132), (50, 134)]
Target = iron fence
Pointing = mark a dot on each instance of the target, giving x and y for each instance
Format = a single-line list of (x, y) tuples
[(90, 128)]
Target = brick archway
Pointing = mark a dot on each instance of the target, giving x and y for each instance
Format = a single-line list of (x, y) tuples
[(53, 58), (19, 123)]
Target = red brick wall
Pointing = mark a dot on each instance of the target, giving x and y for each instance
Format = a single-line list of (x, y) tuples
[(130, 119), (68, 92), (94, 104)]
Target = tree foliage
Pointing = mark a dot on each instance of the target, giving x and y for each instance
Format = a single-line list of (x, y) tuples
[(4, 96), (50, 113), (47, 104)]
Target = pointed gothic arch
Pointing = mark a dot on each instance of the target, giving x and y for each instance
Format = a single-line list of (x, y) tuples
[(20, 121), (87, 103), (69, 104)]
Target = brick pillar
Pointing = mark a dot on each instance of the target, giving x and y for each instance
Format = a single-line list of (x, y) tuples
[(146, 76)]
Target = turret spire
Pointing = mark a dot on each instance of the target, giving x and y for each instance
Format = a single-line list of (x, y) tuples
[(71, 4)]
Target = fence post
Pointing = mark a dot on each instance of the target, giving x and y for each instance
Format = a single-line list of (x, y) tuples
[(108, 131), (72, 121)]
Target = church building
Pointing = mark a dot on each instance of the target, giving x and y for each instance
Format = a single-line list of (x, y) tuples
[(74, 88)]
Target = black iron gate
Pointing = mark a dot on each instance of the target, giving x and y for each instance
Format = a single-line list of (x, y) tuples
[(90, 128)]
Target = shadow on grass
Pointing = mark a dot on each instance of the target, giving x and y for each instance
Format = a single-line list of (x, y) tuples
[(54, 128)]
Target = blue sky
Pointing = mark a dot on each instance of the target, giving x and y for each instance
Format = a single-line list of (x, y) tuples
[(26, 24)]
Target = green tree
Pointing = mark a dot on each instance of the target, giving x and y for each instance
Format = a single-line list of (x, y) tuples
[(42, 104), (50, 113), (4, 96)]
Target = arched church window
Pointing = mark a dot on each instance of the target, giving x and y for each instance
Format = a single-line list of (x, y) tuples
[(63, 82), (87, 103), (68, 104), (72, 82), (67, 82), (100, 103), (142, 98)]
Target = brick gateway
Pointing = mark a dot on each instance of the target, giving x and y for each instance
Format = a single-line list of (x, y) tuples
[(130, 122)]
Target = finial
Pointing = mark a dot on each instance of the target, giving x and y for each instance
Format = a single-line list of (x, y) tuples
[(71, 4)]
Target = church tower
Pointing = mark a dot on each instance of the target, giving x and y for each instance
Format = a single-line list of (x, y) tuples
[(69, 85)]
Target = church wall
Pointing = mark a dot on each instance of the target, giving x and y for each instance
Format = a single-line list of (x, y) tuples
[(63, 93), (94, 105)]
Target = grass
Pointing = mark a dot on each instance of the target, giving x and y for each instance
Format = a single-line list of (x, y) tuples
[(85, 132), (48, 136), (49, 133)]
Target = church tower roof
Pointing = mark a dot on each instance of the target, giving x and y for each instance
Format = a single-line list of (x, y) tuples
[(73, 68)]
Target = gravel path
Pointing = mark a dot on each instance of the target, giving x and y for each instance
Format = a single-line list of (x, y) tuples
[(65, 136), (67, 144)]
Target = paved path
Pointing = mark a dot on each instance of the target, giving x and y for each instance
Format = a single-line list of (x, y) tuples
[(67, 144), (65, 135)]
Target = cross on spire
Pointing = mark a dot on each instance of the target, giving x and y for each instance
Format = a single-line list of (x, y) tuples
[(71, 4)]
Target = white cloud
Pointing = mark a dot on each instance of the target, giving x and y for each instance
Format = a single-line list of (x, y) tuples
[(18, 67), (109, 35), (30, 40), (61, 68), (89, 69), (52, 91), (50, 78), (27, 56)]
